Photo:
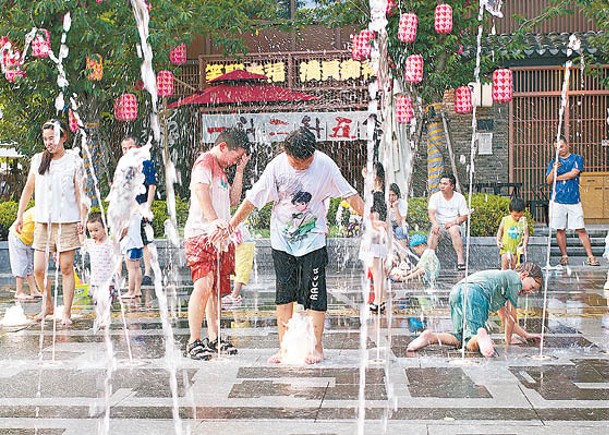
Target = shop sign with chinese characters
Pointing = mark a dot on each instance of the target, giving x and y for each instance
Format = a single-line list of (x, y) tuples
[(274, 127)]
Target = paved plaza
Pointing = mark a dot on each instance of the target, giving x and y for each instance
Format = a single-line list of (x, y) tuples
[(66, 387)]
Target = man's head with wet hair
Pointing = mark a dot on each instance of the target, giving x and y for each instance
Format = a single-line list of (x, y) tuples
[(300, 144)]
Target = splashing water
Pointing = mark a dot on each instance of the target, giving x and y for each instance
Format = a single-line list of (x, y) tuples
[(298, 341), (15, 316)]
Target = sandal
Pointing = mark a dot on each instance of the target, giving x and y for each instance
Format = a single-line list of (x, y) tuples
[(199, 350), (460, 266), (564, 260), (225, 346), (592, 261)]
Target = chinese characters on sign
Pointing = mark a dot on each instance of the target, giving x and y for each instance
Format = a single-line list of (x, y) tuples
[(274, 127)]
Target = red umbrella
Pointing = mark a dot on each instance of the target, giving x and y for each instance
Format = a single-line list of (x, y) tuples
[(239, 87)]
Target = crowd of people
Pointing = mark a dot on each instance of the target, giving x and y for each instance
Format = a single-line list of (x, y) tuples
[(299, 182)]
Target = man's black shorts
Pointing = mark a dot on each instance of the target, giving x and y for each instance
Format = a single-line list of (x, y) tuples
[(302, 279)]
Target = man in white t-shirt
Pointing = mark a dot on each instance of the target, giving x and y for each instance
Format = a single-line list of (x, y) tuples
[(447, 210), (300, 183)]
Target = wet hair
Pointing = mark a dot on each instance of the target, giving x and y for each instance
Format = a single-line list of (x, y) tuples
[(393, 187), (95, 217), (379, 205), (516, 204), (451, 178), (131, 137), (379, 173), (562, 138), (301, 197), (300, 144), (533, 270), (51, 124), (234, 138), (417, 239)]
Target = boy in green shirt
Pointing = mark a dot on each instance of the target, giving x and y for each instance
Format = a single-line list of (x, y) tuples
[(513, 235)]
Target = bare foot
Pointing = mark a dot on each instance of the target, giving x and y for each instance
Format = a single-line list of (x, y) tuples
[(128, 295), (43, 314), (315, 357), (23, 297), (420, 342), (486, 344), (275, 359), (66, 321)]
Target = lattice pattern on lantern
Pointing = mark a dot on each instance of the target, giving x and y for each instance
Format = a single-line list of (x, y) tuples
[(413, 72), (95, 67), (407, 29), (503, 84), (361, 47), (403, 109), (125, 108), (72, 121), (164, 83), (443, 19), (41, 44), (177, 56), (463, 99), (12, 65)]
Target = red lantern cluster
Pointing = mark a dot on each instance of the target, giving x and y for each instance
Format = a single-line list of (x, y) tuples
[(72, 121), (403, 109), (503, 84), (463, 99), (125, 108), (413, 72), (360, 45), (443, 19), (41, 45), (164, 83), (407, 29), (95, 67), (177, 56)]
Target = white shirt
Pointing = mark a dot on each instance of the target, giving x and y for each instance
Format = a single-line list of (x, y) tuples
[(55, 191), (206, 170), (447, 211), (402, 208), (301, 199), (133, 238), (101, 259)]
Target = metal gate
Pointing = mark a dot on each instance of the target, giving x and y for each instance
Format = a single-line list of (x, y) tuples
[(534, 117)]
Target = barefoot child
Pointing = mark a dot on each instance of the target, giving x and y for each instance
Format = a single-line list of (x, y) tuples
[(513, 235), (132, 246), (485, 291), (21, 255), (427, 268)]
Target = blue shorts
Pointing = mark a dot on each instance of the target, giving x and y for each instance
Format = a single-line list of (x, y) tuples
[(135, 253), (477, 308)]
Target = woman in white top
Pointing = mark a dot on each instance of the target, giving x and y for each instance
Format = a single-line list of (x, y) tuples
[(55, 179)]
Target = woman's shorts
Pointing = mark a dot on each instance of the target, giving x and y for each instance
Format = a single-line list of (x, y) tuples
[(21, 256), (63, 237), (202, 259), (244, 262), (134, 254)]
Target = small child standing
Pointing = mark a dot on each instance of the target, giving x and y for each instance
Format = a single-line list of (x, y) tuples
[(132, 246), (21, 255), (244, 264), (101, 259), (513, 236), (427, 268)]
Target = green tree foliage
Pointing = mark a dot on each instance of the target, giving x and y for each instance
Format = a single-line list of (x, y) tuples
[(107, 28)]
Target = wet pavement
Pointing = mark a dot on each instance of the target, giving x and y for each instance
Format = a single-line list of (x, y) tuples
[(65, 383)]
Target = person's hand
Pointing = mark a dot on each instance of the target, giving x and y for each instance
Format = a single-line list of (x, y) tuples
[(220, 231), (80, 228), (435, 229), (242, 163), (19, 224), (499, 244)]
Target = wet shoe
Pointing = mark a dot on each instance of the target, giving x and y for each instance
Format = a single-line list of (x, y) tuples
[(564, 260), (225, 346), (592, 261), (199, 350), (460, 266), (147, 281)]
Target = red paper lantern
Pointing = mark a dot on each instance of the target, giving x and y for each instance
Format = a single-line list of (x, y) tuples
[(403, 109), (125, 108), (177, 56), (407, 29), (95, 67), (503, 84), (12, 65), (164, 83), (72, 121), (414, 68), (41, 45), (360, 45), (463, 99), (443, 19)]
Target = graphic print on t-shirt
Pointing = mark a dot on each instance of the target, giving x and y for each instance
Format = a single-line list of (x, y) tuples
[(302, 220)]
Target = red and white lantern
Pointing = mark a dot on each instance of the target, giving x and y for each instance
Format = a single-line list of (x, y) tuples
[(463, 99), (360, 45), (164, 83), (72, 121), (403, 109), (125, 108), (443, 19), (12, 66), (503, 84), (177, 56), (407, 29), (95, 67), (41, 45), (414, 68)]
